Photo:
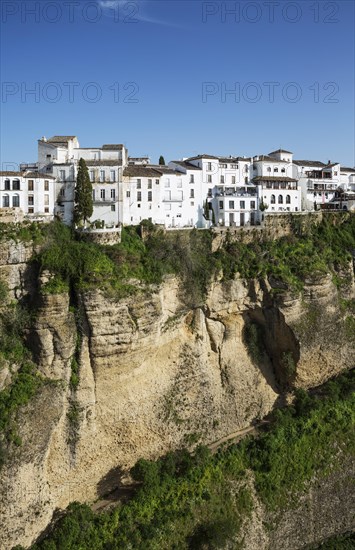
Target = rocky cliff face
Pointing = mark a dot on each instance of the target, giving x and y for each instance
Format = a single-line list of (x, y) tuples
[(155, 376)]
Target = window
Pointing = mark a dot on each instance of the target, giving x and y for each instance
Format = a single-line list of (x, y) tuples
[(16, 201), (231, 205), (221, 205), (16, 185), (246, 180), (6, 201), (46, 210), (288, 199), (280, 200), (222, 179), (276, 169), (102, 176), (62, 175), (49, 156), (102, 194), (128, 194), (113, 194), (156, 182), (246, 169), (252, 205), (192, 193), (46, 185), (48, 169), (93, 194), (192, 203), (268, 169), (113, 208), (283, 170), (150, 184), (209, 179), (192, 178), (30, 185), (235, 166), (209, 166), (30, 200), (242, 205), (46, 200), (223, 165), (30, 210), (150, 196), (272, 200), (335, 173), (139, 196), (62, 192), (7, 185), (112, 175), (233, 180), (92, 176)]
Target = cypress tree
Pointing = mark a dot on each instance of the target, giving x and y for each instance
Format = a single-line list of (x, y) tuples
[(161, 160), (206, 210), (83, 203)]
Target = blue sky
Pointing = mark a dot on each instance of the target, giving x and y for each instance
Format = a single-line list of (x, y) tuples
[(153, 75)]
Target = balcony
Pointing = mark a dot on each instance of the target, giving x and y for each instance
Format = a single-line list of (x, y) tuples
[(236, 194), (322, 187), (106, 180), (106, 200)]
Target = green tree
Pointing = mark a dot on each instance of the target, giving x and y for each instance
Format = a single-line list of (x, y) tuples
[(206, 210), (83, 205), (213, 217), (161, 160)]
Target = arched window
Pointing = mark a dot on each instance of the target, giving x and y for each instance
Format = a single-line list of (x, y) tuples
[(6, 201), (268, 169), (7, 185), (288, 199), (280, 199), (16, 201), (16, 185), (272, 199)]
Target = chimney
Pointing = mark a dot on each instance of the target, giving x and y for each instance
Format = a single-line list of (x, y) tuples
[(44, 138)]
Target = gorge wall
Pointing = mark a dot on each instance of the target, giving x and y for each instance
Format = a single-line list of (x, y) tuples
[(155, 376)]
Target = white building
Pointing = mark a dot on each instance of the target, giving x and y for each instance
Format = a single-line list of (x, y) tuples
[(278, 190), (32, 193), (225, 185), (347, 179), (192, 192), (167, 195), (60, 157), (318, 182)]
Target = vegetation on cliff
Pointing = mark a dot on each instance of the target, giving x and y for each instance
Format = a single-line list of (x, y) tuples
[(186, 501), (188, 254), (15, 359)]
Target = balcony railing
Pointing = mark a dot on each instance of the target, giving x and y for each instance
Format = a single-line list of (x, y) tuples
[(106, 200), (173, 199), (106, 180), (235, 194)]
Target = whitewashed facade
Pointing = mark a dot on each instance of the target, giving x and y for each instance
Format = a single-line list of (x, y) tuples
[(318, 182), (32, 193), (193, 192), (278, 190)]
